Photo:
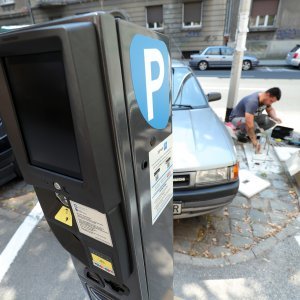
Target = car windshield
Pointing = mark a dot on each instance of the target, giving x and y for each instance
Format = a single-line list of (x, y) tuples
[(187, 92)]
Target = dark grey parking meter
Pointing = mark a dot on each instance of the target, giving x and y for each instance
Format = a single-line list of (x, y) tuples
[(86, 103)]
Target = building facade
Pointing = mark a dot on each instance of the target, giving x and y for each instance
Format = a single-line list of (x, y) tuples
[(274, 27), (190, 24)]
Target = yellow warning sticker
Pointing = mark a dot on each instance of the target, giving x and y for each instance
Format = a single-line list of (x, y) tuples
[(64, 215), (103, 264)]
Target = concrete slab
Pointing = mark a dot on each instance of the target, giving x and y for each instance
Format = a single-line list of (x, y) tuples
[(251, 184)]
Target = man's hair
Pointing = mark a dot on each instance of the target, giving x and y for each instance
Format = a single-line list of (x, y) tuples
[(274, 92)]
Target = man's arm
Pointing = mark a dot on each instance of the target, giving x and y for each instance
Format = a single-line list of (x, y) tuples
[(249, 119), (272, 114)]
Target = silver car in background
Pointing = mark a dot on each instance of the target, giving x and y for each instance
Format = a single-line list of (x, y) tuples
[(205, 164), (293, 57), (220, 56)]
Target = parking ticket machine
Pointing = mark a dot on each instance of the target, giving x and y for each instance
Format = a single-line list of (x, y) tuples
[(86, 104)]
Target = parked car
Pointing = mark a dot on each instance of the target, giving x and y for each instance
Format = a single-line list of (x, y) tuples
[(8, 165), (293, 57), (205, 162), (220, 56)]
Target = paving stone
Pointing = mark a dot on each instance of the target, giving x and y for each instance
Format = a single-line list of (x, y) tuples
[(260, 230), (211, 235), (218, 251), (278, 218), (241, 228), (287, 232), (258, 216), (181, 245), (240, 241), (200, 247), (241, 257), (260, 203), (279, 176), (280, 185), (220, 224), (264, 246), (219, 213), (269, 193), (239, 201), (237, 213), (279, 205), (188, 228), (217, 239)]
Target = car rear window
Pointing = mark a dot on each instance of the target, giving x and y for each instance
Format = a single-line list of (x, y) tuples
[(295, 48)]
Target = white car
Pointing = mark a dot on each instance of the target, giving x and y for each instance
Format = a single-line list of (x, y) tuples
[(293, 57), (205, 162)]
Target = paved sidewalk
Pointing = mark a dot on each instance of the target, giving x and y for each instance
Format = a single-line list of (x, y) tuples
[(245, 229), (272, 63)]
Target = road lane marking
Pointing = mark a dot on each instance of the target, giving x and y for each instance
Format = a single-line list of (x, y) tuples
[(19, 238), (297, 238)]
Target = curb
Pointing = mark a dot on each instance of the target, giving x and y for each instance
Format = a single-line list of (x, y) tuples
[(244, 255)]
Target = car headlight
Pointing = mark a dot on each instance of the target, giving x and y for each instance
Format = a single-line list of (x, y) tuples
[(217, 176)]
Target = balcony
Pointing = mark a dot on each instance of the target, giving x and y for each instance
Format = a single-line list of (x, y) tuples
[(7, 2), (51, 3), (55, 3)]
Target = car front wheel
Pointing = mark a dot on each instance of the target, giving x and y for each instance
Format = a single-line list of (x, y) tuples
[(246, 65), (203, 65)]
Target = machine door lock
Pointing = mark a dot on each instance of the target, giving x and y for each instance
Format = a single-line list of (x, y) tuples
[(62, 198)]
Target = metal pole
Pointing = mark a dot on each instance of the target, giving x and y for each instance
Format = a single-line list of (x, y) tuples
[(242, 29), (30, 11)]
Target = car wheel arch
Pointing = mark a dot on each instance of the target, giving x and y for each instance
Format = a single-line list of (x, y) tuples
[(203, 65)]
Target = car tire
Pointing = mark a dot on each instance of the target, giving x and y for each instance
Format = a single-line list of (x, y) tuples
[(246, 65), (203, 65)]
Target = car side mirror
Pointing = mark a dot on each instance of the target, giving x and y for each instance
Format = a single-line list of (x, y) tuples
[(214, 96)]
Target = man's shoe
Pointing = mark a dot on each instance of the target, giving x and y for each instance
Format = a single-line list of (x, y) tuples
[(242, 137)]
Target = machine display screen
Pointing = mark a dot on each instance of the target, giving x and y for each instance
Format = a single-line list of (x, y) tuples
[(40, 96)]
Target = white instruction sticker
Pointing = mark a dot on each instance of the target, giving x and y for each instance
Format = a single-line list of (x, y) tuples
[(161, 177), (92, 223)]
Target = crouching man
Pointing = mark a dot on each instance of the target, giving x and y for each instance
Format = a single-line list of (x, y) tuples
[(248, 115)]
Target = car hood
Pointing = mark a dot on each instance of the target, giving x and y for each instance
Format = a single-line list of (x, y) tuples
[(201, 141), (250, 56)]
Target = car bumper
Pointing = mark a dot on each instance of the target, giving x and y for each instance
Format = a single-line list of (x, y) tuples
[(7, 166), (199, 201), (255, 63), (193, 63), (293, 62)]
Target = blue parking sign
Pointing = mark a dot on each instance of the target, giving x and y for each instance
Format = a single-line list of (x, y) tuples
[(150, 71)]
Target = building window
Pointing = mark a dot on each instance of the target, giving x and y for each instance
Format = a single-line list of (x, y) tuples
[(8, 7), (7, 2), (192, 14), (213, 51), (155, 17), (263, 13)]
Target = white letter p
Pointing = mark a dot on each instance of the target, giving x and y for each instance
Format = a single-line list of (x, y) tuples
[(153, 55)]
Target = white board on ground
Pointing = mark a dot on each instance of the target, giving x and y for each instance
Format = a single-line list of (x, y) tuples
[(251, 184), (284, 153)]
